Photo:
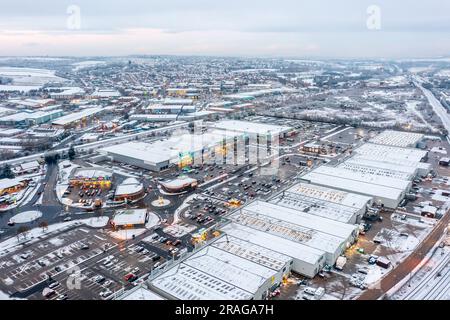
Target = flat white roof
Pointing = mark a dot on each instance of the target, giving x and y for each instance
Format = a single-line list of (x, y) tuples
[(371, 162), (315, 207), (106, 93), (132, 216), (368, 177), (287, 247), (75, 116), (353, 185), (383, 153), (30, 165), (92, 172), (186, 283), (129, 186), (168, 149), (363, 169), (250, 127), (244, 249), (8, 183), (344, 198), (178, 182), (237, 271), (310, 230), (328, 226), (170, 107), (397, 138)]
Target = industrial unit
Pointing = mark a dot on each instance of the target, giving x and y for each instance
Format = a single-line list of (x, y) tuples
[(324, 202), (252, 128), (398, 138), (157, 156), (382, 194), (320, 208), (215, 274), (307, 261), (329, 236), (75, 117)]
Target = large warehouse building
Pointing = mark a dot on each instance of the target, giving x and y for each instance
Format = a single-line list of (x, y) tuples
[(216, 274), (157, 156), (324, 202), (326, 235), (306, 260), (252, 128), (382, 194), (398, 138)]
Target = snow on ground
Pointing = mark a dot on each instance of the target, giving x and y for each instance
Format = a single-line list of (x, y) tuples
[(56, 241), (4, 296), (420, 222), (178, 230), (26, 216), (96, 222), (185, 204), (39, 201), (12, 244), (127, 234), (153, 220), (438, 195), (65, 168), (439, 150), (374, 273)]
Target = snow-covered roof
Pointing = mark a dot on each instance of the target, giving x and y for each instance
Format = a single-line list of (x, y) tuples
[(316, 232), (29, 165), (179, 182), (239, 272), (169, 149), (320, 224), (285, 246), (250, 127), (8, 183), (367, 177), (344, 198), (106, 93), (394, 166), (263, 256), (361, 187), (184, 282), (129, 186), (387, 153), (363, 169), (92, 173), (75, 116), (397, 138), (130, 217)]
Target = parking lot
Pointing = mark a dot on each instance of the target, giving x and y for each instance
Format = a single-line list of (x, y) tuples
[(33, 264), (120, 268)]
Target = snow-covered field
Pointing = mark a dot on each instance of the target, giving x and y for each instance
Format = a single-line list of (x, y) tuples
[(26, 79), (26, 216)]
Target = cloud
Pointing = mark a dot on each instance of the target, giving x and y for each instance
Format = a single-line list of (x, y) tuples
[(233, 27)]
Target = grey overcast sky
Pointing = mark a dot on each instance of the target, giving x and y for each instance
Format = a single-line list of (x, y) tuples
[(266, 28)]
